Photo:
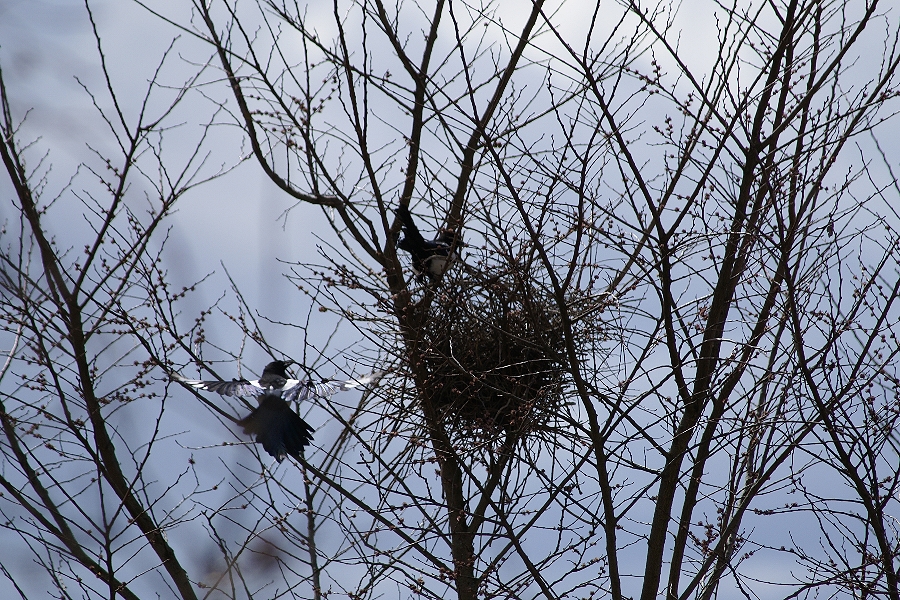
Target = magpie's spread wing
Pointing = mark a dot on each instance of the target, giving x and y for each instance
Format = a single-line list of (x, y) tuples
[(305, 390), (279, 429), (235, 387), (299, 391)]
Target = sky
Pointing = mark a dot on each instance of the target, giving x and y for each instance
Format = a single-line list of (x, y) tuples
[(47, 51)]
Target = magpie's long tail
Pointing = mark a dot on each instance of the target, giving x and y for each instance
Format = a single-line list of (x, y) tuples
[(412, 232)]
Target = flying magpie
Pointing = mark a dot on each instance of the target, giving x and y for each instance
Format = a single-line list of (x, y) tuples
[(274, 423), (275, 378), (429, 257)]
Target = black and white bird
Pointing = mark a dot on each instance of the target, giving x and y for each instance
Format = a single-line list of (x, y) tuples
[(274, 378), (430, 258), (274, 423)]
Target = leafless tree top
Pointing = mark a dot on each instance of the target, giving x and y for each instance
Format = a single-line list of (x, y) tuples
[(649, 347)]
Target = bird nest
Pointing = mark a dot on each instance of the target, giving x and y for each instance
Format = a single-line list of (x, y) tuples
[(495, 356)]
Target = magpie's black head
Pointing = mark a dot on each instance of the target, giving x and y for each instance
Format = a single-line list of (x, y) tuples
[(277, 367)]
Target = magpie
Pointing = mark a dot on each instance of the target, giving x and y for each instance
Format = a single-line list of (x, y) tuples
[(430, 258), (274, 423), (275, 378)]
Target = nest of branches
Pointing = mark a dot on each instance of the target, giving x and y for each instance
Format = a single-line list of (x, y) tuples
[(495, 355)]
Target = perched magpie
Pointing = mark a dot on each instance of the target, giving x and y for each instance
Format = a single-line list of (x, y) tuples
[(277, 427), (429, 257), (274, 423), (275, 378)]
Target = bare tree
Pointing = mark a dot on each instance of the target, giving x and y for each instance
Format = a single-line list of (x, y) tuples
[(663, 364), (85, 425)]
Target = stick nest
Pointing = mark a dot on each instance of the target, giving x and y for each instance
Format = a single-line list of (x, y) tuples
[(495, 355)]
